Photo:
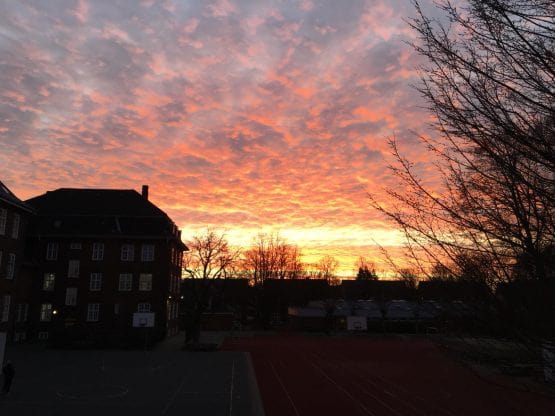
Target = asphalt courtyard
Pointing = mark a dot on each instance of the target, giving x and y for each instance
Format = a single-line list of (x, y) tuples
[(320, 376), (105, 383)]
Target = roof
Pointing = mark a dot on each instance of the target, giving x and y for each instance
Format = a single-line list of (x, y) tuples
[(9, 197), (100, 212)]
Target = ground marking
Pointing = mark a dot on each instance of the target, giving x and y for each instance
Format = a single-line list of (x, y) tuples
[(231, 388), (284, 389), (353, 398), (170, 402)]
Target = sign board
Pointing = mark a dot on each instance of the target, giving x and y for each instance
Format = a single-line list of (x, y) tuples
[(3, 338), (143, 319), (356, 323)]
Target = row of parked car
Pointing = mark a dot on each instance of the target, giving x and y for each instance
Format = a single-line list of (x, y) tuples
[(396, 310)]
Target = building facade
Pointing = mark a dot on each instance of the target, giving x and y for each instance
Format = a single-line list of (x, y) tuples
[(102, 256), (14, 268)]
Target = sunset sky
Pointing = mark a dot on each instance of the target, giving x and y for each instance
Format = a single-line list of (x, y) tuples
[(243, 116)]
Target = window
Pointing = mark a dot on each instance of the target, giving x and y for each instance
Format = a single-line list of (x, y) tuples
[(21, 312), (15, 225), (43, 335), (52, 251), (73, 268), (71, 296), (143, 307), (76, 245), (3, 220), (96, 281), (46, 312), (116, 308), (145, 282), (127, 252), (6, 299), (93, 312), (10, 267), (147, 252), (125, 282), (48, 281), (98, 251)]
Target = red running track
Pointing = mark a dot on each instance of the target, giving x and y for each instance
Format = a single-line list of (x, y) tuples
[(344, 376)]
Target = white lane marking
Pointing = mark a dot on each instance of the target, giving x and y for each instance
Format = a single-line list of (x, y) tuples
[(284, 389)]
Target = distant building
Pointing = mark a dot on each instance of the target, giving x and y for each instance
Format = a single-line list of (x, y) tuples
[(103, 255), (14, 280)]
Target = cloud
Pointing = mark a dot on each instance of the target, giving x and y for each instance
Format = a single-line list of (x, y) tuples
[(239, 114)]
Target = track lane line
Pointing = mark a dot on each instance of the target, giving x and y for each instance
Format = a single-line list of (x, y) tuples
[(284, 389)]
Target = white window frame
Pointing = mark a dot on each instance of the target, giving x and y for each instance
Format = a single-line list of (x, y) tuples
[(52, 251), (93, 312), (3, 220), (73, 268), (10, 267), (71, 296), (15, 225), (125, 282), (45, 312), (147, 252), (127, 252), (5, 314), (143, 307), (49, 282), (145, 282), (97, 252), (95, 283)]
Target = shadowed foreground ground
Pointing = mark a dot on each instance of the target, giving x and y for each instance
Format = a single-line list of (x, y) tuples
[(106, 383), (321, 376)]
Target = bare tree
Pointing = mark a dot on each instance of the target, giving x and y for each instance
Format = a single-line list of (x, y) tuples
[(327, 268), (209, 258), (489, 83), (271, 257), (410, 277)]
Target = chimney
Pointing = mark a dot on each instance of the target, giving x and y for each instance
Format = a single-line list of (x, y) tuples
[(144, 192)]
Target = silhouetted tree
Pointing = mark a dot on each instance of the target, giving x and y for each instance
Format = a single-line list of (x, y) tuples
[(489, 82), (410, 277), (366, 269), (209, 258), (271, 257)]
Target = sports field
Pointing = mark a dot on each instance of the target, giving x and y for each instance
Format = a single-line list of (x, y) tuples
[(104, 383), (336, 376)]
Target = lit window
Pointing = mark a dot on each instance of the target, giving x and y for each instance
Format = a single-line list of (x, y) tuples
[(71, 296), (145, 282), (127, 252), (147, 252), (49, 281), (3, 220), (96, 282), (143, 307), (6, 299), (93, 312), (46, 312), (10, 267), (73, 268), (125, 282), (98, 251), (52, 251), (15, 227)]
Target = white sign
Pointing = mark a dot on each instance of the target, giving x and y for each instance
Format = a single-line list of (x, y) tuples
[(3, 337), (143, 319)]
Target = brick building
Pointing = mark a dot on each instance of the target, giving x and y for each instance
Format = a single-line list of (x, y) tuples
[(14, 277), (102, 255)]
